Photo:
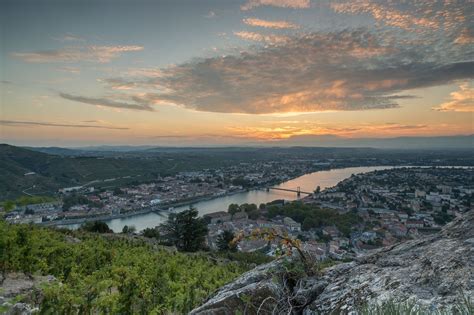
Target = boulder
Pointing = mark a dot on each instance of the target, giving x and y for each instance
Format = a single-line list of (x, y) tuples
[(434, 271)]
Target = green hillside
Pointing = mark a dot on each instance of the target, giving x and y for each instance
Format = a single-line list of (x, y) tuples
[(57, 171), (53, 172), (111, 274)]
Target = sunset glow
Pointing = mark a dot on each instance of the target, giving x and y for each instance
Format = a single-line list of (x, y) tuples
[(233, 72)]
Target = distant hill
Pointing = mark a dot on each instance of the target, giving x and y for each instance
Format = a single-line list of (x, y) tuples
[(57, 151), (37, 173), (444, 142), (15, 163), (114, 148), (32, 171), (308, 141)]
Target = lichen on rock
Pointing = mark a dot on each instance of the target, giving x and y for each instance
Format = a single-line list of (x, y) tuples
[(435, 271)]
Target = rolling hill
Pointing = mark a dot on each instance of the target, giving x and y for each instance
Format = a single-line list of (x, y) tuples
[(38, 173)]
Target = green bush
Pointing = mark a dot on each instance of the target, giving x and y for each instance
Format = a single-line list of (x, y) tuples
[(96, 227), (247, 258), (110, 275)]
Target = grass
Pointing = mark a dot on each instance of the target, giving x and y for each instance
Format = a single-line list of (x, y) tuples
[(410, 307)]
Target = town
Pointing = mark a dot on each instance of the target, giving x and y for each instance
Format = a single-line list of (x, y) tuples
[(391, 206), (79, 203), (362, 212), (257, 157)]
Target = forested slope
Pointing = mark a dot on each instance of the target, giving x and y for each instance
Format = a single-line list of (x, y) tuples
[(52, 172), (111, 274)]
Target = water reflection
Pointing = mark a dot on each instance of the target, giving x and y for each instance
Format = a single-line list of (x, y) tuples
[(307, 182)]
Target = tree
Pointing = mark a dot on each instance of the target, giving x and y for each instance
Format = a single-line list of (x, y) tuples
[(26, 259), (128, 229), (317, 190), (240, 181), (253, 214), (151, 233), (248, 207), (9, 205), (233, 208), (7, 248), (251, 209), (442, 218), (224, 241), (186, 231), (96, 227)]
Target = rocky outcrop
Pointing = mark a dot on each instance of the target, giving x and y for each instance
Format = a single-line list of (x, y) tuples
[(435, 271), (22, 309), (20, 293)]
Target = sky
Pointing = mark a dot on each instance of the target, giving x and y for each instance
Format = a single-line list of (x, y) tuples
[(187, 73)]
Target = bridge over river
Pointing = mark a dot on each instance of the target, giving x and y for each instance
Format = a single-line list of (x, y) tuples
[(298, 190)]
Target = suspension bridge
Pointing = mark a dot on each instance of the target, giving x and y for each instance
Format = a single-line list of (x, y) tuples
[(298, 190)]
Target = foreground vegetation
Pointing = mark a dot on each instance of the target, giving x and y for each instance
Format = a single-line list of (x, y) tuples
[(466, 307), (111, 273)]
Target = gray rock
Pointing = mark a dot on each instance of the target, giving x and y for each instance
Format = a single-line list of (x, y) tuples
[(433, 270), (22, 309), (19, 284), (253, 290)]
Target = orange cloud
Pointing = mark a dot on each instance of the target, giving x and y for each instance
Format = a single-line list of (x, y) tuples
[(253, 36), (465, 37), (461, 100), (289, 130), (270, 24), (424, 14), (337, 71)]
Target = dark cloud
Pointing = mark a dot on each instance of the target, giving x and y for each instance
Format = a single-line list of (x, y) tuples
[(348, 70), (414, 45), (107, 102), (49, 124)]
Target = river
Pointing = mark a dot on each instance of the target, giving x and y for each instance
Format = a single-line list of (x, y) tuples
[(307, 182)]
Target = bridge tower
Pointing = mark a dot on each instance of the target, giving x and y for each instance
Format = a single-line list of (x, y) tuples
[(298, 191)]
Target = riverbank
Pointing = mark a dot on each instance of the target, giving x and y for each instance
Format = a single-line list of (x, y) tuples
[(308, 182), (138, 212), (109, 217), (143, 218)]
